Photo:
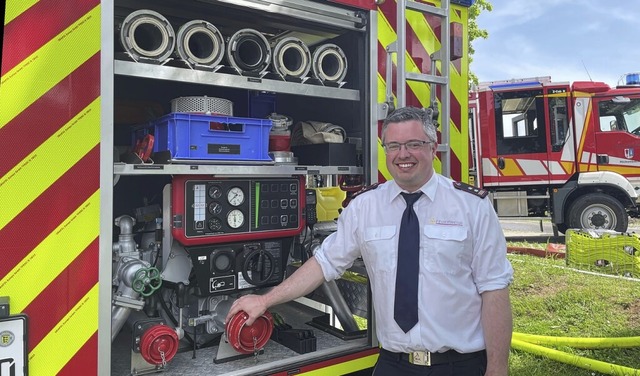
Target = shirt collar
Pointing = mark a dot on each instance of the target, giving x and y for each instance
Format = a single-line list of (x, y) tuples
[(429, 188)]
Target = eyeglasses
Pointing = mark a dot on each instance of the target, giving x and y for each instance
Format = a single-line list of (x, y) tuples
[(411, 145)]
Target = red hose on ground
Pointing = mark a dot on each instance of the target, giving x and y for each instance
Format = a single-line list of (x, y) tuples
[(553, 250)]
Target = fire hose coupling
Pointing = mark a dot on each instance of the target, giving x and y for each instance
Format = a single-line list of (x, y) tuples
[(146, 281), (200, 43), (249, 52), (146, 34), (249, 339), (291, 58), (159, 344), (329, 63)]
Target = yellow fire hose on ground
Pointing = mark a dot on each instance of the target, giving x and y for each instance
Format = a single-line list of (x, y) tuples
[(574, 360), (579, 342), (621, 253)]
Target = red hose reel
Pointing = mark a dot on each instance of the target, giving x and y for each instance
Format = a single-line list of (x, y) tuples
[(159, 344), (248, 339)]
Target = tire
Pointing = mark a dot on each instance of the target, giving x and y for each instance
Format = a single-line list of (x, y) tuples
[(597, 211)]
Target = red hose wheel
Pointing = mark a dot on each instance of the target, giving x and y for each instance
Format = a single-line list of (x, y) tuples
[(159, 345), (248, 339)]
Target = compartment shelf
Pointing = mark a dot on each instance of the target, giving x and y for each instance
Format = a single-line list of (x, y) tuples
[(232, 169), (164, 72)]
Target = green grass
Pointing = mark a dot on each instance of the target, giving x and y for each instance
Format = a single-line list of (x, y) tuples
[(549, 299)]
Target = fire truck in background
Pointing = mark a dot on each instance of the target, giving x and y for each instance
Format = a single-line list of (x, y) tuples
[(571, 152), (163, 157)]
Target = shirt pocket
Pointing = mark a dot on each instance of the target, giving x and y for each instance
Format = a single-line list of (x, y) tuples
[(444, 248), (381, 245)]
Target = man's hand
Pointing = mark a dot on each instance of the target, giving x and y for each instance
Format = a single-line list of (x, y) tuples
[(253, 305), (303, 281)]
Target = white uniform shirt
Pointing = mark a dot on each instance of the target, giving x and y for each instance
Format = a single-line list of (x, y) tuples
[(462, 254)]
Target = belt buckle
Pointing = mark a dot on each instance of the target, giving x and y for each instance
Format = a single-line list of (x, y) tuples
[(420, 358)]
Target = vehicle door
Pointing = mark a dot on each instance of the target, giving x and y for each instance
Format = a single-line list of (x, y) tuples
[(516, 148), (618, 134)]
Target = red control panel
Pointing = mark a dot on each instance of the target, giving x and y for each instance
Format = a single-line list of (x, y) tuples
[(217, 210)]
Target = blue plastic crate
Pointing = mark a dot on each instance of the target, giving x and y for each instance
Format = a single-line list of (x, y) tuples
[(209, 137)]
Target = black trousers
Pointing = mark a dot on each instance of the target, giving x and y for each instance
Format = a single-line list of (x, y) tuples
[(389, 365)]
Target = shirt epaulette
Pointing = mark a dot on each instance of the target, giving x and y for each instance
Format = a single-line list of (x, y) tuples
[(482, 193), (351, 196), (365, 189)]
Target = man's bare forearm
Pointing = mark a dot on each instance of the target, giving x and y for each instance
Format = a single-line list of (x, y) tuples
[(302, 282), (306, 279), (497, 324)]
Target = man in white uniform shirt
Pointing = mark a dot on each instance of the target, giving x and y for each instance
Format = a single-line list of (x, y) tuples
[(464, 321)]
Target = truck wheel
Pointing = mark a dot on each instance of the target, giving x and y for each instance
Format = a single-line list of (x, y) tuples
[(598, 211)]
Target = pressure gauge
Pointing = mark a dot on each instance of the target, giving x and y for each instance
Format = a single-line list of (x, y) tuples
[(235, 196), (215, 191), (215, 224), (235, 218), (215, 208)]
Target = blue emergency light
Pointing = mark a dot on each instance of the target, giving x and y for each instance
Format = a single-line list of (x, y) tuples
[(516, 85), (466, 3), (632, 79)]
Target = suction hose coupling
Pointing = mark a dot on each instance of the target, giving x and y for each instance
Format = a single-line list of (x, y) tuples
[(200, 44), (147, 35), (329, 63), (159, 344), (291, 58), (248, 52), (249, 339)]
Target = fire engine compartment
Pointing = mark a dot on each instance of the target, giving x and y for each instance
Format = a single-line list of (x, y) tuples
[(177, 266)]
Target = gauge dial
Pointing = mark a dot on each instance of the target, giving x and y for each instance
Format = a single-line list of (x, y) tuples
[(215, 191), (235, 218), (215, 208), (235, 196), (215, 224)]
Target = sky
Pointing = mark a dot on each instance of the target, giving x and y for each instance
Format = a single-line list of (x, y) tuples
[(569, 40)]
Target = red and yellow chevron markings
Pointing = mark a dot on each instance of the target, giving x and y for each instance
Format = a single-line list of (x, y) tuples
[(511, 168), (355, 364), (422, 40), (338, 366), (522, 167), (49, 178), (66, 146), (37, 73)]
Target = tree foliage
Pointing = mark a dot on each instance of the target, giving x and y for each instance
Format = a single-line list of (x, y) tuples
[(476, 32)]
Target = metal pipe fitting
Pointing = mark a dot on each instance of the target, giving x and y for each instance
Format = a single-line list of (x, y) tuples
[(125, 298), (126, 245)]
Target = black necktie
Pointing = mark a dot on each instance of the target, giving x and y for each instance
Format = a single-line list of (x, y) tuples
[(406, 304)]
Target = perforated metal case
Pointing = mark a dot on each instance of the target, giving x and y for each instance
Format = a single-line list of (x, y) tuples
[(205, 105)]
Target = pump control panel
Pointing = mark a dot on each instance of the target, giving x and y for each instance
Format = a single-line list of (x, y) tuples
[(227, 268), (206, 211)]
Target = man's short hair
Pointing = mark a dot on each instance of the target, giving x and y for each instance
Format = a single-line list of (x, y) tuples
[(403, 114)]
